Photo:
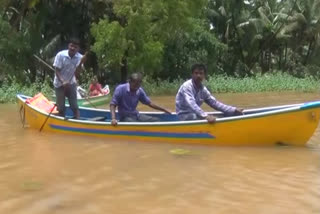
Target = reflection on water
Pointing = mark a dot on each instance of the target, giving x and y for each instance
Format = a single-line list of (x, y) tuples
[(46, 173)]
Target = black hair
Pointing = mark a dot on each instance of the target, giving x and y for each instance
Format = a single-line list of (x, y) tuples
[(135, 77), (75, 41), (201, 67)]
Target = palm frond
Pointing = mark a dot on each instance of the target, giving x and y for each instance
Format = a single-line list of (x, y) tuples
[(283, 37), (213, 13), (222, 11), (263, 16), (50, 48), (280, 17), (299, 17), (292, 27), (33, 3), (315, 9)]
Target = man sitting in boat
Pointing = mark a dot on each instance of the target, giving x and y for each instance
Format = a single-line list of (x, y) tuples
[(126, 97), (192, 94), (95, 88)]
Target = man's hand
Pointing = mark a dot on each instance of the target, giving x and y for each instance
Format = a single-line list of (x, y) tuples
[(114, 122), (238, 111), (211, 119), (65, 83)]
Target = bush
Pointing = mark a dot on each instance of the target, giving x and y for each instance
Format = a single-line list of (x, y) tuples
[(276, 81), (10, 88)]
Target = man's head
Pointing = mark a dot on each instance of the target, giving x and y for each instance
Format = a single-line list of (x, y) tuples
[(74, 46), (198, 72), (135, 81)]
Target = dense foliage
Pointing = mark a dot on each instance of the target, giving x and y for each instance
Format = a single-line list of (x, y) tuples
[(161, 38)]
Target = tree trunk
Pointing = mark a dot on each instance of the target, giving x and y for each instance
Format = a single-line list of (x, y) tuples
[(280, 58), (16, 22), (124, 70), (308, 53), (268, 60), (285, 56), (238, 39)]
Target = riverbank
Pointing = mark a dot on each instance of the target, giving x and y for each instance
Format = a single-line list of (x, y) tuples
[(277, 82)]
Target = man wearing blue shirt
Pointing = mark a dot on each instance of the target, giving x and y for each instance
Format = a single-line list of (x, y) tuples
[(126, 97), (66, 64)]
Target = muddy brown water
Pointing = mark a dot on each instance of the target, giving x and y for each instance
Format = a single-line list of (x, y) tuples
[(44, 173)]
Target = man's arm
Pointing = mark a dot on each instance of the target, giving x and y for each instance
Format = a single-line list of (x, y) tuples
[(113, 114), (100, 89), (57, 66), (154, 106), (113, 104), (58, 74), (82, 61), (215, 104), (146, 100)]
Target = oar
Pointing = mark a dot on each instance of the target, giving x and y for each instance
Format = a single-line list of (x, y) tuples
[(47, 118), (87, 99), (44, 62)]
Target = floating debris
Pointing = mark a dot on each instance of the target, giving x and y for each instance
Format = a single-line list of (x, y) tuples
[(31, 185), (180, 152)]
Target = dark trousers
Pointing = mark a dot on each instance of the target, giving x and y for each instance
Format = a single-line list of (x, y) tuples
[(69, 91), (189, 116), (140, 118)]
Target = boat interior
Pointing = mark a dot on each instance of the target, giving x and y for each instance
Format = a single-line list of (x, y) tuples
[(104, 115)]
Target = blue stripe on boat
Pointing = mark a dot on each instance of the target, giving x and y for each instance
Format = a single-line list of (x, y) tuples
[(134, 133), (310, 105)]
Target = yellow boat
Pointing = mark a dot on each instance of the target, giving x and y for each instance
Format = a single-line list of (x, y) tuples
[(286, 124)]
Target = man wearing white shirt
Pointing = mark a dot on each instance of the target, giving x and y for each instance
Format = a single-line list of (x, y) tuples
[(66, 64)]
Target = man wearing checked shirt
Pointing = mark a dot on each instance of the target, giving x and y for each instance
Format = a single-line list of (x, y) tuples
[(192, 94)]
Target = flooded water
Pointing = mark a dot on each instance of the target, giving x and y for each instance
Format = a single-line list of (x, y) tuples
[(43, 173)]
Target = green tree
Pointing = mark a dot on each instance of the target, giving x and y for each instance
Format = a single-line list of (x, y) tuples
[(135, 38), (197, 46)]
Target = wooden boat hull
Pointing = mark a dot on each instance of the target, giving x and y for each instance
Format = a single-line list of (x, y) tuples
[(288, 125)]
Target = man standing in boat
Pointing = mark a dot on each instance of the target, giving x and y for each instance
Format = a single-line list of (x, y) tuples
[(67, 63), (192, 94), (126, 97)]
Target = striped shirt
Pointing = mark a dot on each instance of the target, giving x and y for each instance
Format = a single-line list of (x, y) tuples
[(67, 67), (189, 99)]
